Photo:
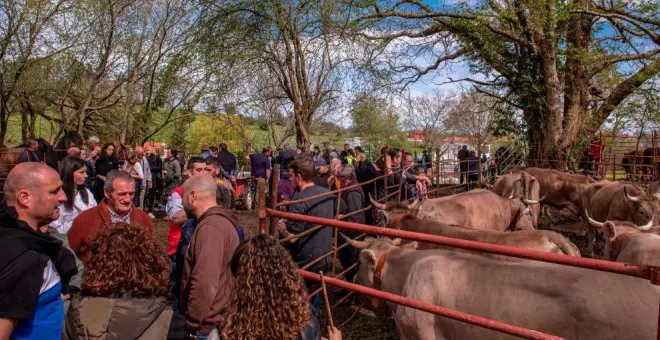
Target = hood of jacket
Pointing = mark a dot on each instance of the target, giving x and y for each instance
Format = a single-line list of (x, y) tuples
[(116, 318), (218, 211)]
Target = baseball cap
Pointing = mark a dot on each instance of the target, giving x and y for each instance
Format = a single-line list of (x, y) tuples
[(319, 163)]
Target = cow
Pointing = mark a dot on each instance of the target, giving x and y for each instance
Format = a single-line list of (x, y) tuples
[(616, 201), (629, 243), (570, 302), (560, 189), (520, 184), (541, 240), (475, 209)]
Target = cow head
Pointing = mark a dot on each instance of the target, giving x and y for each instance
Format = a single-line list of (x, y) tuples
[(523, 212), (642, 209), (371, 250), (614, 233), (390, 212)]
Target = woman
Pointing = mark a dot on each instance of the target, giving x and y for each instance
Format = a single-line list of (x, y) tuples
[(123, 288), (106, 163), (133, 167), (256, 294), (78, 197)]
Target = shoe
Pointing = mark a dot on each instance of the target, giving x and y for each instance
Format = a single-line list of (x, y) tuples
[(152, 215)]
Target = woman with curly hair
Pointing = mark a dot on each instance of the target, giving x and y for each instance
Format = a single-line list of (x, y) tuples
[(123, 288), (269, 299)]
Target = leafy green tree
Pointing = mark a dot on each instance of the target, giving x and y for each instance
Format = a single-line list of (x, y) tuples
[(565, 64), (376, 123)]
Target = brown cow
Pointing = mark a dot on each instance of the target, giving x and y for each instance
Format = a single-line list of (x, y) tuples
[(542, 240), (629, 243), (616, 201), (560, 189), (570, 302), (520, 184), (475, 209)]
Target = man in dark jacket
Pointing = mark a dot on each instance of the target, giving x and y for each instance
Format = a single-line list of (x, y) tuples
[(35, 269), (228, 161), (156, 168), (30, 153), (311, 246), (206, 282), (352, 201), (463, 154), (473, 169)]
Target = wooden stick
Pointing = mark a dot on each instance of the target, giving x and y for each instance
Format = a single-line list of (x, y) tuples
[(327, 301)]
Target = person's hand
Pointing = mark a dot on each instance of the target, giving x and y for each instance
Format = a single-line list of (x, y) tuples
[(281, 227), (334, 333), (65, 297)]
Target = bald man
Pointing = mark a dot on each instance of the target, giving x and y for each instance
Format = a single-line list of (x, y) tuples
[(34, 267), (206, 281)]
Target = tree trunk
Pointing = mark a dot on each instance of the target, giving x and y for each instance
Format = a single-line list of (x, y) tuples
[(24, 126), (303, 125)]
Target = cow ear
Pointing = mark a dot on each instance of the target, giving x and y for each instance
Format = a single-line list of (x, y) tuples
[(369, 256), (609, 230)]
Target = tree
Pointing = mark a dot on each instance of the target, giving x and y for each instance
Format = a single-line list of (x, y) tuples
[(472, 116), (297, 43), (375, 121), (566, 65), (430, 114)]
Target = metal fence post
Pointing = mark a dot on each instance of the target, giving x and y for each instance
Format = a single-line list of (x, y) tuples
[(273, 196), (261, 189)]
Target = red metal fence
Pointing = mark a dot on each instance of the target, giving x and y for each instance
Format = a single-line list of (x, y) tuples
[(647, 272)]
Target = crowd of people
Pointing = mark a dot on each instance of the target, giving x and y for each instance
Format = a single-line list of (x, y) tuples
[(79, 257)]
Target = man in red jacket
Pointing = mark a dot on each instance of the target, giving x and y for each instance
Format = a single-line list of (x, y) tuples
[(174, 207), (119, 189)]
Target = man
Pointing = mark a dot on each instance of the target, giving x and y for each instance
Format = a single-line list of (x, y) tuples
[(228, 161), (260, 165), (413, 181), (344, 153), (92, 143), (119, 190), (287, 154), (311, 246), (171, 170), (472, 170), (156, 168), (426, 161), (30, 153), (226, 193), (34, 267), (205, 152), (207, 280), (463, 153), (147, 179), (174, 207)]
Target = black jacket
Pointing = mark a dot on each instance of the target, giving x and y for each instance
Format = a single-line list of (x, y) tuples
[(24, 253)]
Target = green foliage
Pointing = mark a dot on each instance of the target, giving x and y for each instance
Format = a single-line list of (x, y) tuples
[(210, 131), (375, 121)]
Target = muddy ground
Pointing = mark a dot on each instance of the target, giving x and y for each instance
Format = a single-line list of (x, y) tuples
[(356, 319)]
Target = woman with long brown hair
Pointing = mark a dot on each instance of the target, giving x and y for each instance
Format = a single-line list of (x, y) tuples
[(124, 285), (269, 299)]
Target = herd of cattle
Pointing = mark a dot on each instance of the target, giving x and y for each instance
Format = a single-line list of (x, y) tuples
[(570, 302)]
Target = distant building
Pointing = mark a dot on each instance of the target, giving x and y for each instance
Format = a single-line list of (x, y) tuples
[(416, 136), (450, 145)]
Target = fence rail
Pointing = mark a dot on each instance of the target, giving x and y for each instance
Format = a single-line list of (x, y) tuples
[(650, 273)]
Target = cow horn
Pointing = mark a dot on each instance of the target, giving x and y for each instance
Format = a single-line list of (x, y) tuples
[(511, 195), (656, 195), (647, 226), (396, 241), (592, 221), (628, 197), (534, 201), (380, 206), (354, 243)]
